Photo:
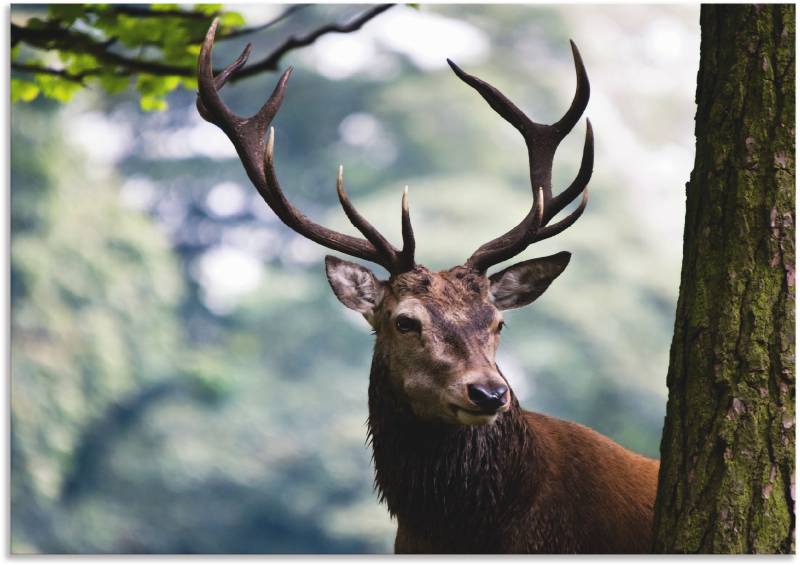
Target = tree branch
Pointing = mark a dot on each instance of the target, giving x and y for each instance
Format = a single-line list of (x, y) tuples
[(270, 62), (77, 42), (255, 29), (130, 10), (73, 41), (79, 78)]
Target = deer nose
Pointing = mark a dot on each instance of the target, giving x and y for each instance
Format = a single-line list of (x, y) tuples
[(487, 397)]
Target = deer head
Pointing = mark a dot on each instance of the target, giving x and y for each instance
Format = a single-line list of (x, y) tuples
[(437, 332)]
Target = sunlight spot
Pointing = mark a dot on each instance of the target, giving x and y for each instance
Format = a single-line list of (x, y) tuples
[(341, 56), (302, 251), (138, 193), (359, 129), (665, 40), (226, 275), (226, 199), (103, 139), (426, 39), (435, 38)]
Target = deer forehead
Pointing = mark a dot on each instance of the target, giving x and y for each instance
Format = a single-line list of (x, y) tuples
[(454, 296)]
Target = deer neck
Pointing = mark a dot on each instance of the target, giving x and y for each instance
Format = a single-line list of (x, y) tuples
[(444, 480)]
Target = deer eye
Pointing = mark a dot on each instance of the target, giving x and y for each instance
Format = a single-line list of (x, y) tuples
[(406, 324)]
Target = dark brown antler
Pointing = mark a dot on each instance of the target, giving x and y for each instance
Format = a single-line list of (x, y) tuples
[(247, 135), (542, 141)]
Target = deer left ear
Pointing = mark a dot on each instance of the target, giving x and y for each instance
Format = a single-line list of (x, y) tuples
[(522, 283), (355, 286)]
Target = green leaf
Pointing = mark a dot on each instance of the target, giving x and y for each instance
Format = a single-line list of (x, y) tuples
[(209, 9), (164, 7), (167, 39), (231, 19), (150, 103), (134, 32), (67, 13), (35, 23), (78, 62), (56, 87), (189, 83), (113, 83), (150, 85), (23, 90)]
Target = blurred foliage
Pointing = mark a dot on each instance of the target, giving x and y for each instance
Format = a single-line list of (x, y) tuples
[(151, 412), (94, 291), (154, 46), (76, 45)]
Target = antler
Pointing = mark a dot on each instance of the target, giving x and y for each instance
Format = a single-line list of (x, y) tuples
[(247, 135), (542, 141)]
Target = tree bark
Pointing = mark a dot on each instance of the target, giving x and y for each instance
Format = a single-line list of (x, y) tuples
[(726, 483)]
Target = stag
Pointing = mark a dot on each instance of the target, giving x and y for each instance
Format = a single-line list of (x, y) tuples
[(458, 462)]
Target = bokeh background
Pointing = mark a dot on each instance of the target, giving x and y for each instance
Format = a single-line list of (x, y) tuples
[(183, 380)]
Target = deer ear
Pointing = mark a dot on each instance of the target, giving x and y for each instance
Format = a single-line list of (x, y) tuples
[(522, 283), (355, 286)]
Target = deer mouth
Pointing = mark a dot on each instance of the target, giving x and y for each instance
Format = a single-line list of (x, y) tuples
[(474, 417)]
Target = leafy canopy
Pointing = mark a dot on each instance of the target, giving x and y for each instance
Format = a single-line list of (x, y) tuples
[(154, 47)]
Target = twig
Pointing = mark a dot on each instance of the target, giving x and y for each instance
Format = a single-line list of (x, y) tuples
[(247, 30), (78, 42), (22, 67), (146, 13), (74, 41), (270, 62)]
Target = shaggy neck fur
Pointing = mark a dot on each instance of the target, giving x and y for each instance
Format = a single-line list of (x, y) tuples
[(457, 486)]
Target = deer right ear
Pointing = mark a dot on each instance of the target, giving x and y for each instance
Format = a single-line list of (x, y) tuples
[(355, 286), (524, 282)]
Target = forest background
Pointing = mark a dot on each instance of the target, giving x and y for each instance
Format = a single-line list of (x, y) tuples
[(184, 381)]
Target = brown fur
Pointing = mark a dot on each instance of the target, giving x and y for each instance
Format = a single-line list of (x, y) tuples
[(527, 483)]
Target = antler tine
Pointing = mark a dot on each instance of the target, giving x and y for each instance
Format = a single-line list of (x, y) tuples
[(292, 217), (247, 135), (220, 80), (542, 141), (361, 223), (581, 98), (409, 244), (209, 104), (496, 99), (512, 242), (558, 227), (577, 186)]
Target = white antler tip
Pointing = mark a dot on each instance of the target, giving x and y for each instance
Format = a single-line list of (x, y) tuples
[(270, 145), (340, 182)]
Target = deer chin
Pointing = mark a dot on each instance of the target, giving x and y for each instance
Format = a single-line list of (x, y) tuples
[(474, 418)]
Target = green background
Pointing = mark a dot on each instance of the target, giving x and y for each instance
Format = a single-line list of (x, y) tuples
[(184, 381)]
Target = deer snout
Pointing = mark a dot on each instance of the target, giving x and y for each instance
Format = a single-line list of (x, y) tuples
[(488, 396)]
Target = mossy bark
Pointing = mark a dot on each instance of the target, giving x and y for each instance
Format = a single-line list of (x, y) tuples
[(727, 474)]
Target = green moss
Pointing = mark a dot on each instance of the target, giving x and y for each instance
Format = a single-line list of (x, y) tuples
[(727, 455)]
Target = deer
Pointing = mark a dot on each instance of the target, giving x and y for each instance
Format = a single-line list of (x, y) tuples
[(460, 465)]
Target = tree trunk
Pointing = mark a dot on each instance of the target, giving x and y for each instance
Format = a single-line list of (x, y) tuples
[(726, 483)]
